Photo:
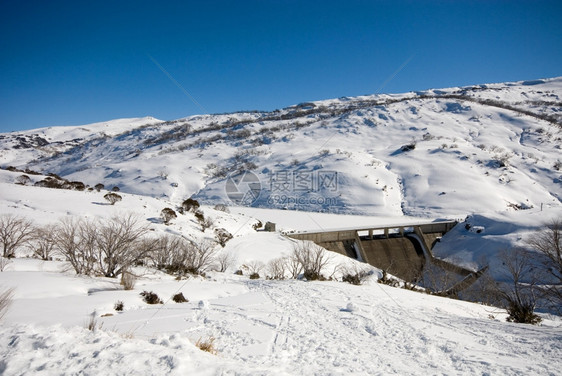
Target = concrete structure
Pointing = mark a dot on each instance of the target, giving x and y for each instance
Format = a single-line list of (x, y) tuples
[(401, 250)]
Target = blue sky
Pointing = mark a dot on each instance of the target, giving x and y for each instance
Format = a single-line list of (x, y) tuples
[(77, 62)]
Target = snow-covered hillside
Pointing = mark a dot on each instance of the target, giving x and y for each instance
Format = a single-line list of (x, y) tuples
[(488, 155), (443, 152)]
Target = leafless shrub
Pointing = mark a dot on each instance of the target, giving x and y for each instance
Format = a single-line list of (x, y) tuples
[(190, 257), (106, 248), (312, 258), (207, 345), (254, 267), (15, 232), (386, 279), (277, 268), (355, 274), (519, 293), (118, 242), (5, 301), (44, 242), (200, 256), (92, 323), (294, 266), (75, 239), (166, 249), (225, 260), (548, 245)]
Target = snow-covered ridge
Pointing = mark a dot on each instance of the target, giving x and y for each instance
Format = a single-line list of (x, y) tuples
[(436, 153)]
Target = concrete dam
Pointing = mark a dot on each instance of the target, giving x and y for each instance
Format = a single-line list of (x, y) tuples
[(401, 250)]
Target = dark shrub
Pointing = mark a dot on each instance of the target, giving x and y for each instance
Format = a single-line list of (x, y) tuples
[(352, 278), (167, 214), (23, 180), (119, 305), (112, 198), (311, 275), (150, 297), (522, 314), (222, 236), (179, 298), (408, 147), (257, 225), (199, 216), (254, 276), (77, 185), (190, 204), (50, 182)]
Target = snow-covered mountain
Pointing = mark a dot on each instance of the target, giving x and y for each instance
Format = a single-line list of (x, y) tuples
[(446, 152), (491, 152)]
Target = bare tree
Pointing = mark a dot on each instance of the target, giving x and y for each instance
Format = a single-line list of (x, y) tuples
[(294, 266), (178, 255), (117, 244), (519, 292), (225, 260), (200, 256), (277, 268), (255, 267), (44, 242), (165, 251), (15, 232), (548, 244), (112, 197), (312, 258), (75, 239)]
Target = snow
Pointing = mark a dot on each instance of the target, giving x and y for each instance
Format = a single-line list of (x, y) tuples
[(490, 168), (260, 327)]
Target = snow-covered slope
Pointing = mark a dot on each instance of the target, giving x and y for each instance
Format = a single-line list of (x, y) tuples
[(260, 328), (443, 152), (488, 151)]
